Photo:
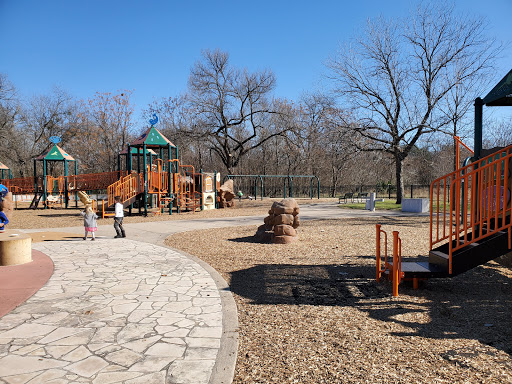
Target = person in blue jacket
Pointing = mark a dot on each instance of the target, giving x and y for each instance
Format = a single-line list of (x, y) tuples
[(3, 219), (3, 191)]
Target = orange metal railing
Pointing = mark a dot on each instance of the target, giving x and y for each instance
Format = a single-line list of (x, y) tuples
[(190, 198), (94, 181), (458, 143), (127, 187), (158, 180), (84, 182), (395, 273), (20, 184), (471, 203)]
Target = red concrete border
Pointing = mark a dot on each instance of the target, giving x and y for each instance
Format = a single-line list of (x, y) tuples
[(19, 282)]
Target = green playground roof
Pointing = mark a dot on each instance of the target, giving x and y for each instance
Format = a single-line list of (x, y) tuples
[(140, 150), (3, 166), (152, 138), (501, 94), (55, 153)]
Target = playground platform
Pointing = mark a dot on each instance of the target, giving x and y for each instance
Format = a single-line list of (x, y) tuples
[(129, 310)]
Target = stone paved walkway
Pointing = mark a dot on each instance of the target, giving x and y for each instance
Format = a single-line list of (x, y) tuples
[(114, 311)]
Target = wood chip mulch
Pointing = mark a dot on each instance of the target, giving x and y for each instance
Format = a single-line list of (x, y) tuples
[(311, 312)]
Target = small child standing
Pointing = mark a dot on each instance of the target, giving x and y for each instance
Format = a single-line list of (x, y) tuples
[(89, 222), (3, 219), (118, 219)]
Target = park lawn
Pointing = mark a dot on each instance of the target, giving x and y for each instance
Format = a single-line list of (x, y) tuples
[(381, 205), (389, 205)]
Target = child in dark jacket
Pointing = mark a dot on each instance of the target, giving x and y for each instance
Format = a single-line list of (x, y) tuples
[(3, 219)]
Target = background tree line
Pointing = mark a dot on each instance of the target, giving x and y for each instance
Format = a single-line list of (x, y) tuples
[(400, 90)]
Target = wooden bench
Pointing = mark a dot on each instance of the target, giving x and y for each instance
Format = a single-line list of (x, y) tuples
[(345, 197)]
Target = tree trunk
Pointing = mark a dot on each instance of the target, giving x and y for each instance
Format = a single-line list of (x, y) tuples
[(334, 181), (399, 180)]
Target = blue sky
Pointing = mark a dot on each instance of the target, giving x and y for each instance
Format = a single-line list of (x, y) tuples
[(149, 46)]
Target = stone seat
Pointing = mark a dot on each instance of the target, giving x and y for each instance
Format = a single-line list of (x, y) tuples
[(15, 248)]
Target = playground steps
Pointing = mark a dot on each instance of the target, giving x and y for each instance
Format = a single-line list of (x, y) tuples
[(420, 270), (109, 209), (471, 256), (463, 260)]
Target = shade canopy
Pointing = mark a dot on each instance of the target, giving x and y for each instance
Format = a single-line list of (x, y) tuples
[(55, 153), (153, 139), (3, 166), (501, 94)]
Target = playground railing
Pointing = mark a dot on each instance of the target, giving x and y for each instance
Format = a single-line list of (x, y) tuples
[(94, 181), (127, 187), (158, 181), (20, 184), (472, 203), (395, 268)]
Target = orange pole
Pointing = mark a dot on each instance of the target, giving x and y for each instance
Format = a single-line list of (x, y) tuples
[(395, 263), (377, 250)]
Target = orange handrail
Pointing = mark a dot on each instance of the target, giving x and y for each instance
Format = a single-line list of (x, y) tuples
[(20, 184), (471, 203), (397, 262), (395, 269), (458, 143), (127, 187), (381, 270)]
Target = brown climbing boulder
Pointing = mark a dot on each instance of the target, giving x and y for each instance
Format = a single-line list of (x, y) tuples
[(264, 234), (280, 224), (284, 230), (284, 239), (283, 219), (226, 195), (286, 206)]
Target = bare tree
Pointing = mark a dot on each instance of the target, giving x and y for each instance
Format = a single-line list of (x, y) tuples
[(396, 75), (109, 124), (10, 109), (231, 106)]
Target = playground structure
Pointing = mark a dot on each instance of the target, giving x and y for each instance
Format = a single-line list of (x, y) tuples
[(151, 178), (470, 211)]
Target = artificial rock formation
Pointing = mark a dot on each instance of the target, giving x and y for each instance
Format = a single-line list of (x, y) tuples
[(226, 195), (280, 224)]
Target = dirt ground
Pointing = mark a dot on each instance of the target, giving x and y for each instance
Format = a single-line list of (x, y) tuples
[(311, 311), (24, 218)]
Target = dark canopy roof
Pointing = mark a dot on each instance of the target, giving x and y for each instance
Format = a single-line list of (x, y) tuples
[(501, 94)]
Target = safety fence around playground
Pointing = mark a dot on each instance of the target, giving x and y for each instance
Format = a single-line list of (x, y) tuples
[(415, 191), (61, 184), (308, 188)]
